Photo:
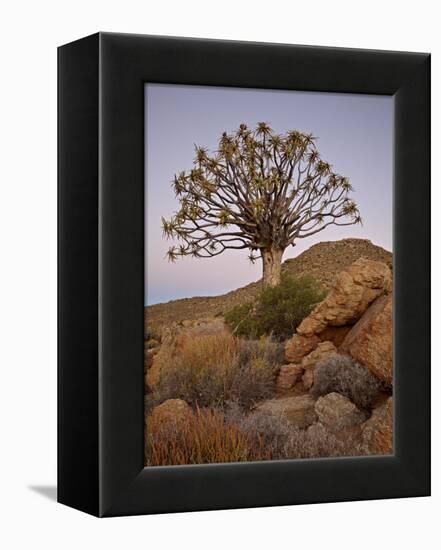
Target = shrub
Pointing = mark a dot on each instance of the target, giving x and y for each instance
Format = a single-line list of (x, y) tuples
[(149, 332), (283, 441), (205, 438), (341, 374), (278, 310), (274, 431), (318, 442), (210, 370), (242, 321), (151, 337)]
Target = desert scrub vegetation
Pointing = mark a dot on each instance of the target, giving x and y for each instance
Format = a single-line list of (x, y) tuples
[(283, 441), (203, 438), (210, 370), (211, 436), (277, 310), (151, 337), (341, 374)]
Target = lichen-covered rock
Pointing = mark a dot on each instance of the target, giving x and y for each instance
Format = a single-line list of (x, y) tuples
[(298, 410), (171, 411), (298, 346), (377, 432), (370, 340), (288, 376), (337, 412), (354, 290)]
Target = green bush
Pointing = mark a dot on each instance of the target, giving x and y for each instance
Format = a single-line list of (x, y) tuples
[(278, 310)]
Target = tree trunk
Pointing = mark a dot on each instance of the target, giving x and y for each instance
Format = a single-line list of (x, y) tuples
[(272, 266)]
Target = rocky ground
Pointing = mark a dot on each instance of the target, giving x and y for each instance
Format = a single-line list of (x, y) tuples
[(333, 390)]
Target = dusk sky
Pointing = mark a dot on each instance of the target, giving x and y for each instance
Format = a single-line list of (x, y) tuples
[(355, 135)]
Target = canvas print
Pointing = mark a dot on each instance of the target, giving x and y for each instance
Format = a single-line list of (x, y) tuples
[(268, 275)]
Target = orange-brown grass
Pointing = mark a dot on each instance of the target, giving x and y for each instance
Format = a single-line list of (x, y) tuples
[(211, 370), (202, 439)]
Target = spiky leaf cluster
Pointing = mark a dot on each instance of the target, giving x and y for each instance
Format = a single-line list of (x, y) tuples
[(259, 190)]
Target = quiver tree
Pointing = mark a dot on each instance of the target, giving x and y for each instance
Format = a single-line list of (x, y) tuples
[(259, 191)]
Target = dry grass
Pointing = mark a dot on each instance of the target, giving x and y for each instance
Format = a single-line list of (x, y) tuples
[(210, 436), (211, 370), (202, 439)]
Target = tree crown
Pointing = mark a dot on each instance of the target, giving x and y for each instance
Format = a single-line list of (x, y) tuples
[(259, 190)]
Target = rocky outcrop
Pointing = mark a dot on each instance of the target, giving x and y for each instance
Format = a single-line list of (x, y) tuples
[(336, 335), (370, 340), (298, 346), (172, 411), (321, 352), (337, 412), (331, 324), (298, 410), (288, 376), (377, 433), (354, 290)]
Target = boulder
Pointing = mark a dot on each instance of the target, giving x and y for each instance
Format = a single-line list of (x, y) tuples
[(370, 340), (354, 290), (322, 351), (172, 411), (337, 412), (288, 376), (377, 432), (298, 346), (298, 410)]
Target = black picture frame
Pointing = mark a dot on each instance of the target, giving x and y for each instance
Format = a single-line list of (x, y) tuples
[(101, 269)]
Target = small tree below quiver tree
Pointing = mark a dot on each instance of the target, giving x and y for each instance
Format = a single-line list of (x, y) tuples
[(258, 191)]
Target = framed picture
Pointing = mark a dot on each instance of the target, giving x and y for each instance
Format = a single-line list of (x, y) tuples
[(244, 271)]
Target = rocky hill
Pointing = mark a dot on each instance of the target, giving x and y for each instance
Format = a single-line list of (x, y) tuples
[(323, 261)]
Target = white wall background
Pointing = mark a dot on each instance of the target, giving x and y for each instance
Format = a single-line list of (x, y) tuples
[(30, 33)]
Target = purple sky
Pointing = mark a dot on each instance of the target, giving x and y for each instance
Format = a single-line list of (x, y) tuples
[(355, 136)]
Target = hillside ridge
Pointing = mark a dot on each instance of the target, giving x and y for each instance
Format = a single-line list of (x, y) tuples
[(323, 261)]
